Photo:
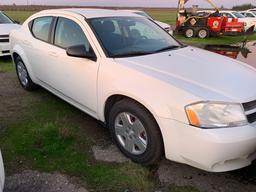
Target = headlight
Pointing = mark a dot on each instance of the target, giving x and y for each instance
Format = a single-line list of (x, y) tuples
[(215, 114)]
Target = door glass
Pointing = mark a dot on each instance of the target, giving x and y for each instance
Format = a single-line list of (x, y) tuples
[(68, 33), (41, 28)]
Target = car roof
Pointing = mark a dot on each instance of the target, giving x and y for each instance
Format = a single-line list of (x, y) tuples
[(94, 13), (131, 10), (227, 11)]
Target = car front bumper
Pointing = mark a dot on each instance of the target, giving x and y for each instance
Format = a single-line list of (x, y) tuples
[(2, 176), (5, 49), (214, 150)]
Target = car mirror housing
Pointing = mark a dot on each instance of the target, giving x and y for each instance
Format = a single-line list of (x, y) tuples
[(80, 51)]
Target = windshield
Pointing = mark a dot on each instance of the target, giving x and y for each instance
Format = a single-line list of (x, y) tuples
[(4, 19), (238, 15), (131, 36), (144, 14)]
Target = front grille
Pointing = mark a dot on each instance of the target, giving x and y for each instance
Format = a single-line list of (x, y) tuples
[(249, 105), (4, 38), (251, 118), (5, 52), (250, 111)]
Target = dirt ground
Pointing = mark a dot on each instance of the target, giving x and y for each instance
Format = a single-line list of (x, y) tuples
[(169, 173)]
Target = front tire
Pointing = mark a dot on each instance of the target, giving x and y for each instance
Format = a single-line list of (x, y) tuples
[(189, 32), (23, 75), (136, 132)]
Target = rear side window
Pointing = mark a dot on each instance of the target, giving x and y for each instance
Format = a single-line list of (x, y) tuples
[(68, 33), (41, 28)]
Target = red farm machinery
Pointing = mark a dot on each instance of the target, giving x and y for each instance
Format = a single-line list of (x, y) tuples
[(204, 24)]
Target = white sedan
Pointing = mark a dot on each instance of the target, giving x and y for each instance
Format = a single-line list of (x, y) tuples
[(6, 26), (249, 14), (157, 96), (249, 22)]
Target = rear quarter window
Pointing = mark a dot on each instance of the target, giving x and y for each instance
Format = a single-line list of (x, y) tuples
[(41, 28)]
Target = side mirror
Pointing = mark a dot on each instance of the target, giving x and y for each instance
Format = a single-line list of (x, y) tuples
[(80, 51)]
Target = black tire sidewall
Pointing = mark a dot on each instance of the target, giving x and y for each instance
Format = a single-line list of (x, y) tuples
[(154, 145), (30, 85)]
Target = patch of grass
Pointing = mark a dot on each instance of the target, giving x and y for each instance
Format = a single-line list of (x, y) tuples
[(20, 16), (6, 64), (48, 139), (166, 16)]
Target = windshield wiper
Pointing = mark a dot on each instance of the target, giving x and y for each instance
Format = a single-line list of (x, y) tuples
[(168, 48), (131, 54), (140, 53)]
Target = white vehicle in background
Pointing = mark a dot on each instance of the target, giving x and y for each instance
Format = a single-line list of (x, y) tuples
[(252, 10), (6, 26), (248, 14), (1, 173), (157, 96), (165, 26), (248, 22)]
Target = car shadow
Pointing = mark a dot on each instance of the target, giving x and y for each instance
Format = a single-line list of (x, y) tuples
[(5, 59)]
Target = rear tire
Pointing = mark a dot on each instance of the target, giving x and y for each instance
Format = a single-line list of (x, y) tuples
[(136, 132), (189, 32), (203, 33), (23, 75)]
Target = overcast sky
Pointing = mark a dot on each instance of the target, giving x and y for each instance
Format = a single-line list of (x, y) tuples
[(120, 3)]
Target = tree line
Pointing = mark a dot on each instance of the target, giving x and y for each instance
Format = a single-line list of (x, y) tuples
[(243, 7)]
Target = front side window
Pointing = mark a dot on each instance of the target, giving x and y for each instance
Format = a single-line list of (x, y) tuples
[(131, 36), (4, 19), (68, 33), (41, 28)]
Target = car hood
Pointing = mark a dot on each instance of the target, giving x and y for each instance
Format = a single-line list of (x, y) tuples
[(5, 29), (201, 73), (163, 25)]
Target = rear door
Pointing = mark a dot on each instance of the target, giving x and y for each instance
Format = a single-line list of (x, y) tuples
[(37, 44)]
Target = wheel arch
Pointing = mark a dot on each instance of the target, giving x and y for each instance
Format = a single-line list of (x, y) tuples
[(17, 51), (112, 99)]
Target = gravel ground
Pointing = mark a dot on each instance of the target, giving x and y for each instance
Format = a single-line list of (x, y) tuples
[(33, 181), (184, 175), (109, 154)]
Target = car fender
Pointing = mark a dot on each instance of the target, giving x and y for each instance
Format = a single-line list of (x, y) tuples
[(156, 96), (19, 50)]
